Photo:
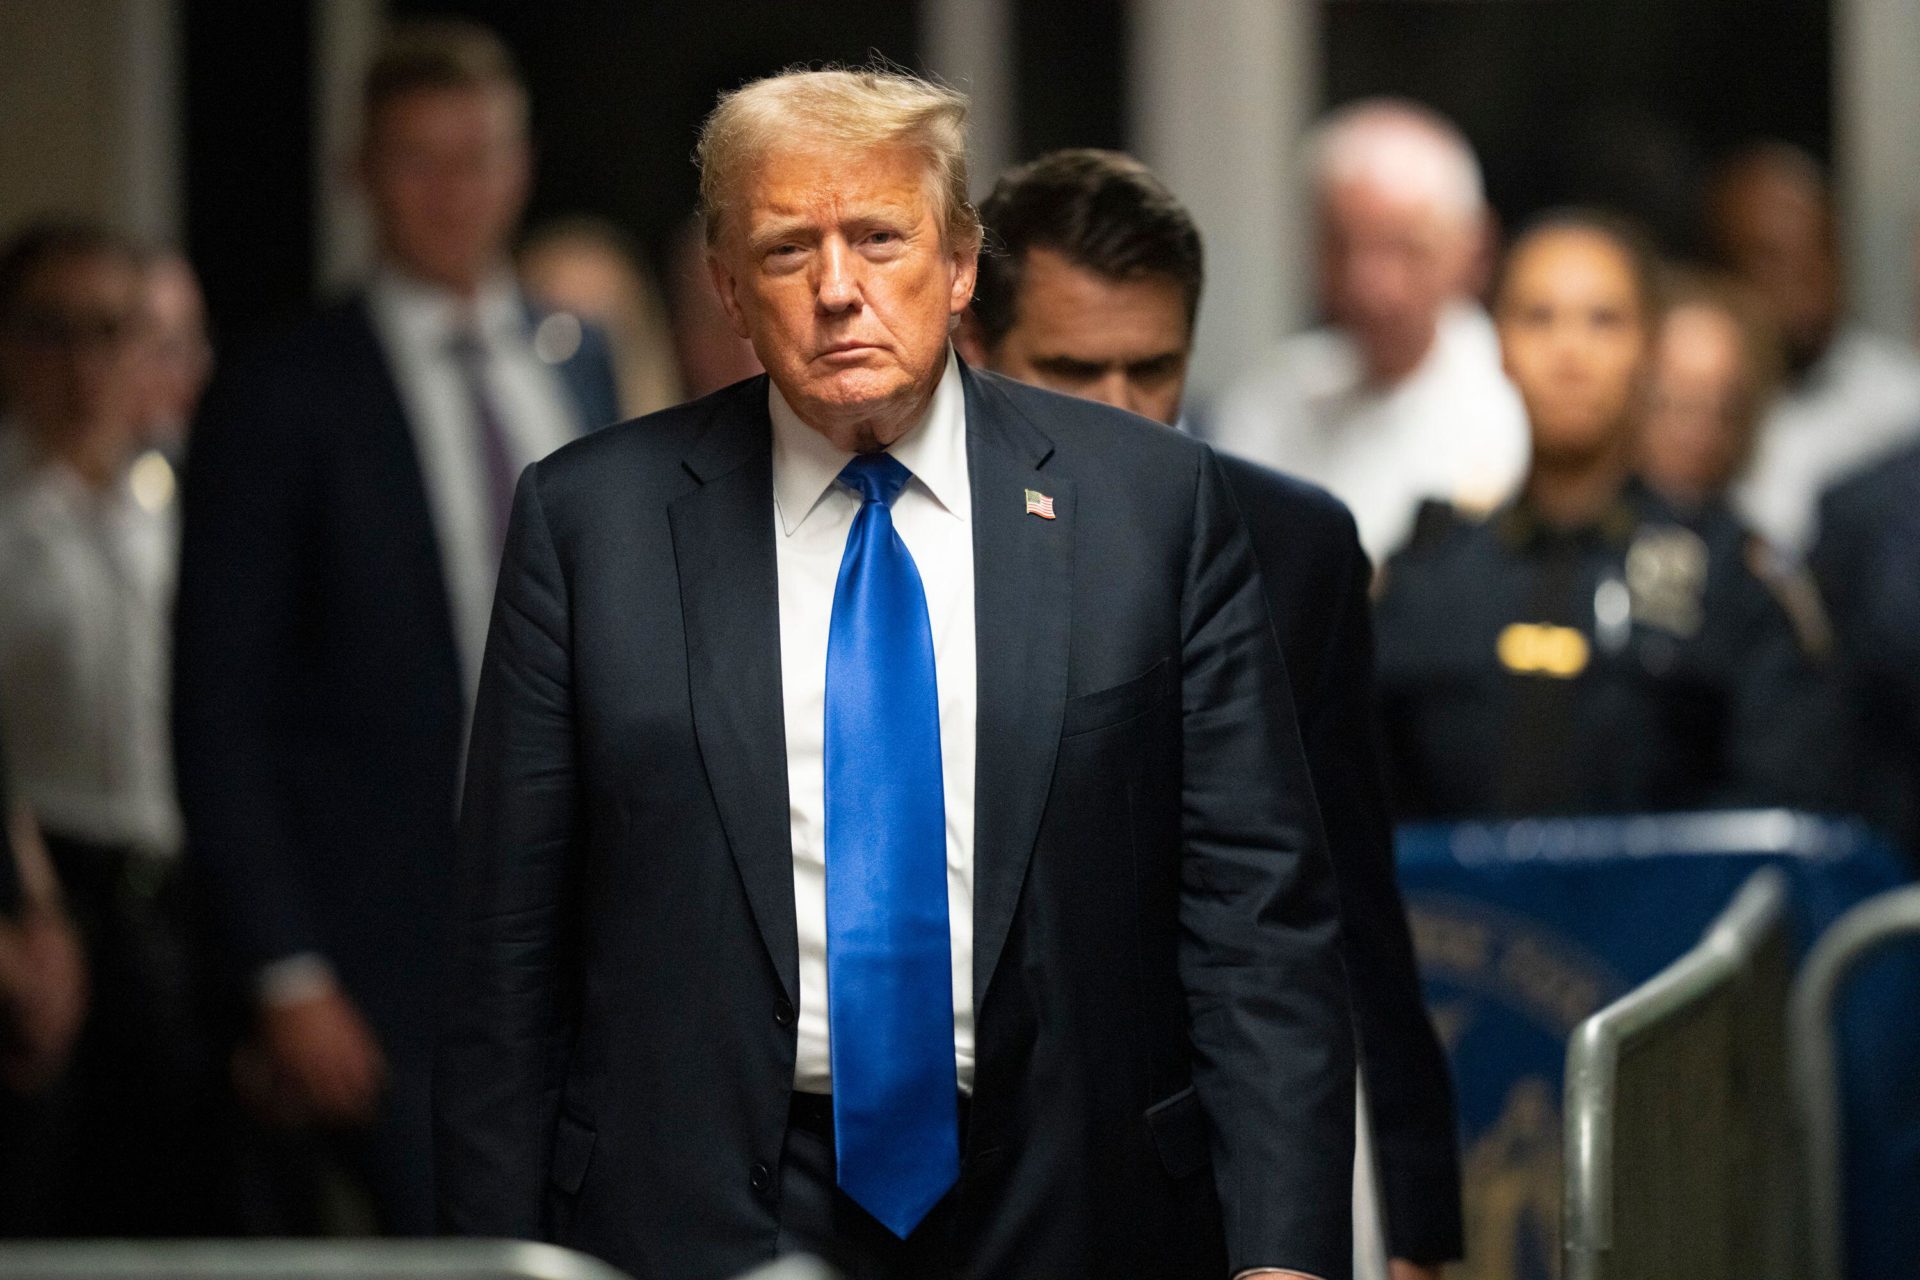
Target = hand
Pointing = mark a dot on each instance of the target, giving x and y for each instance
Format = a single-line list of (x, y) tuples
[(43, 989), (1401, 1269), (43, 973), (323, 1055)]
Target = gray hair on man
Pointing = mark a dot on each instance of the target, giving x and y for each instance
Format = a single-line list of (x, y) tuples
[(855, 108), (1401, 147)]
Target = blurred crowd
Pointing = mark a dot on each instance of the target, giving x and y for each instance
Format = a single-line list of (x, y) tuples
[(1646, 537)]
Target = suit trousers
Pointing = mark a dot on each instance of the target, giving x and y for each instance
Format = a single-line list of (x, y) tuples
[(818, 1218)]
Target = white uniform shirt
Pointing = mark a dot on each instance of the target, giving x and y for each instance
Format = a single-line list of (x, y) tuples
[(1452, 429), (86, 599), (418, 326), (1859, 401), (934, 516)]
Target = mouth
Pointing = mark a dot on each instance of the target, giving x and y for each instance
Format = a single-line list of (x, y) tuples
[(845, 352)]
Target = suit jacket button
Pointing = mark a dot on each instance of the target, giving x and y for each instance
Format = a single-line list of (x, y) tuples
[(761, 1177), (783, 1013)]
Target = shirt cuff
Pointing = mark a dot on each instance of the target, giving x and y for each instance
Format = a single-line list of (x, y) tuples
[(293, 979)]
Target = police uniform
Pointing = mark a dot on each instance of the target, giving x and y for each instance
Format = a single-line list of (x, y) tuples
[(1640, 663)]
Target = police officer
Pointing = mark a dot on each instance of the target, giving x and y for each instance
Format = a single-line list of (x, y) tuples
[(1587, 648)]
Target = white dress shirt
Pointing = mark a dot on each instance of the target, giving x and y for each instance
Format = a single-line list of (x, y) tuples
[(418, 326), (812, 516), (86, 596), (1452, 429), (1860, 400)]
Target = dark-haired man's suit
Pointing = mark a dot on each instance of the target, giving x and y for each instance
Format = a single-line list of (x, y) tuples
[(1318, 581)]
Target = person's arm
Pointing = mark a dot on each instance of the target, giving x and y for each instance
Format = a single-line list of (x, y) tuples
[(1269, 1018), (43, 972), (1409, 1087), (496, 1079), (248, 524), (1785, 740)]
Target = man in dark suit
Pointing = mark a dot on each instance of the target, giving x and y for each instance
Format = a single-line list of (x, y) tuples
[(1092, 288), (886, 834), (1867, 563), (344, 507)]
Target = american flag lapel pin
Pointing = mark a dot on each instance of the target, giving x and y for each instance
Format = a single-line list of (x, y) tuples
[(1039, 504)]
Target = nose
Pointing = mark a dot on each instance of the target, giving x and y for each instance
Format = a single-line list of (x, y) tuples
[(1114, 389), (839, 284)]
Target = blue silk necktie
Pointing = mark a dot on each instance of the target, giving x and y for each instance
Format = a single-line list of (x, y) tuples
[(889, 962)]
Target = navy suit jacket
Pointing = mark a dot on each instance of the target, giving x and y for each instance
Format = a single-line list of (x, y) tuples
[(1867, 562), (1164, 1071), (1318, 581), (318, 702)]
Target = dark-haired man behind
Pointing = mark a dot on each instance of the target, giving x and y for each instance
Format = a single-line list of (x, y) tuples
[(343, 515), (1090, 287)]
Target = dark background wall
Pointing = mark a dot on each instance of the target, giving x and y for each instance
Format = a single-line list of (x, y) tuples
[(1621, 101)]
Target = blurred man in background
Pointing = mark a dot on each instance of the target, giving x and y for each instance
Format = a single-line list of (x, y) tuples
[(1588, 649), (711, 354), (87, 560), (1850, 395), (179, 354), (1715, 364), (1400, 398), (345, 504), (585, 269), (1092, 289)]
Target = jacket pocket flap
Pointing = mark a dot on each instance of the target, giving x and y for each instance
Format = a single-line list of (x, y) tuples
[(572, 1149), (1179, 1130), (1103, 707)]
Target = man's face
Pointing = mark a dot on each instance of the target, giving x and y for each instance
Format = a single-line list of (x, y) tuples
[(447, 172), (1389, 262), (71, 358), (835, 266), (1120, 342), (1699, 405), (1573, 339), (179, 358), (1777, 235)]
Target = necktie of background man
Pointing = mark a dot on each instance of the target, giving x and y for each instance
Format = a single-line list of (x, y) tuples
[(889, 964), (490, 433)]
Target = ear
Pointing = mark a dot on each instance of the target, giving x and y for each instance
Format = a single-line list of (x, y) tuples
[(725, 284), (970, 340), (966, 271)]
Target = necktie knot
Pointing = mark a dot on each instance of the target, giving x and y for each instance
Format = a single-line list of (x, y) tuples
[(876, 477)]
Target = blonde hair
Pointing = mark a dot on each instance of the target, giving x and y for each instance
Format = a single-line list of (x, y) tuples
[(865, 107)]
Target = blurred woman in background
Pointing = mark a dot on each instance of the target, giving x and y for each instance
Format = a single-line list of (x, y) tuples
[(1589, 648)]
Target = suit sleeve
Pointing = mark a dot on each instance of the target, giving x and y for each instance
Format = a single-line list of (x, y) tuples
[(245, 530), (498, 1070), (1270, 1023), (1785, 735), (1408, 1085)]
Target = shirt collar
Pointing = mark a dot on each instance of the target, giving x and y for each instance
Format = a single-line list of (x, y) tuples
[(433, 316), (934, 449)]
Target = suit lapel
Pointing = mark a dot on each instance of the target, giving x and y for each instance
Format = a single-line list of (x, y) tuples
[(1023, 576), (729, 599)]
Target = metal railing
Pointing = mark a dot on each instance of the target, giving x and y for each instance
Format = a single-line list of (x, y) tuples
[(298, 1260), (328, 1260), (1816, 1078), (1679, 1152)]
